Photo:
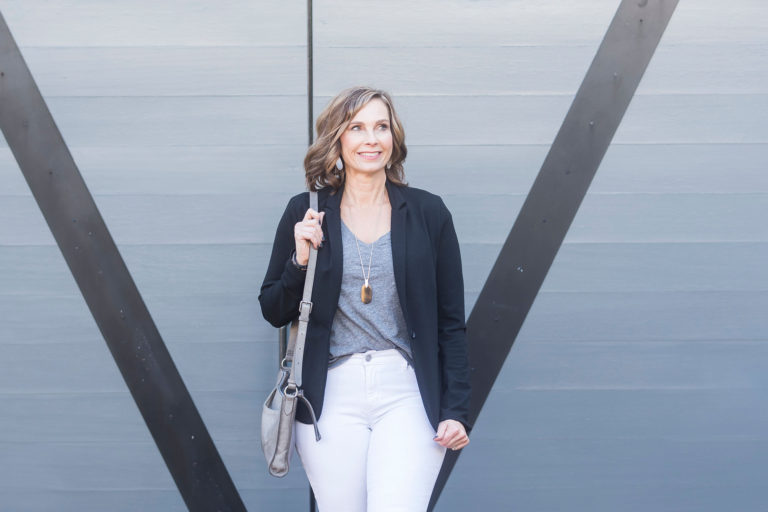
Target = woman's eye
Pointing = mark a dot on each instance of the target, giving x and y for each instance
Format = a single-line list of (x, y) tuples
[(384, 127), (354, 127)]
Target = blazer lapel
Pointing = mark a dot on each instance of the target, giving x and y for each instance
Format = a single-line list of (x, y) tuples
[(332, 230), (398, 237)]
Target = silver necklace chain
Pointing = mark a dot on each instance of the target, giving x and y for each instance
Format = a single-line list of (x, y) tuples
[(366, 278)]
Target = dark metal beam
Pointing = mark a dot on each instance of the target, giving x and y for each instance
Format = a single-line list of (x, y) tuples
[(109, 290), (557, 192), (310, 75)]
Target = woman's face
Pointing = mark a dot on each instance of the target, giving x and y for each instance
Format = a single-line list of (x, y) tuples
[(366, 144)]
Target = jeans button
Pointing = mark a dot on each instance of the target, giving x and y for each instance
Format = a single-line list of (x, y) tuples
[(368, 357)]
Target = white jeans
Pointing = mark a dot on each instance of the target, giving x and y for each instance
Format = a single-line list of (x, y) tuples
[(376, 453)]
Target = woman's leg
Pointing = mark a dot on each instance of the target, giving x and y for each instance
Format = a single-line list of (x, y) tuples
[(336, 465), (403, 459)]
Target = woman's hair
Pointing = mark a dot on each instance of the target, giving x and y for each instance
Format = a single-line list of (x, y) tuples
[(320, 162)]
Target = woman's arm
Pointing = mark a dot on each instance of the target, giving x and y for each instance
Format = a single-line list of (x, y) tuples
[(451, 328), (283, 284)]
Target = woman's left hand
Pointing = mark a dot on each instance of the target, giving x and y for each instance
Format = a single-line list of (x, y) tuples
[(452, 435)]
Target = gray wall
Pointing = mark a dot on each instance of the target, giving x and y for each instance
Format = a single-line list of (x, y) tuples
[(638, 381)]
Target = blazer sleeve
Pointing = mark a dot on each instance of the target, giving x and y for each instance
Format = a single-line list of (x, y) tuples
[(451, 335), (283, 284)]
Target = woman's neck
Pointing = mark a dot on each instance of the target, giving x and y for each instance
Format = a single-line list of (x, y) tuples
[(365, 189)]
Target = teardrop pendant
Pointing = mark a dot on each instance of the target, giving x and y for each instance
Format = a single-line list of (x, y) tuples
[(366, 293)]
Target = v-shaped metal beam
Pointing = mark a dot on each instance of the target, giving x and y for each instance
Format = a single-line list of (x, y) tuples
[(557, 192), (109, 290)]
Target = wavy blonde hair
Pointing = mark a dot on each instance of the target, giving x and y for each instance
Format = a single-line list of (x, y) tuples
[(320, 162)]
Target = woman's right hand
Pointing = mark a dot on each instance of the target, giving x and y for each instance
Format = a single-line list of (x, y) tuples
[(308, 231)]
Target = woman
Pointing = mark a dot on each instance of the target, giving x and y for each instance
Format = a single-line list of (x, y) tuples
[(385, 362)]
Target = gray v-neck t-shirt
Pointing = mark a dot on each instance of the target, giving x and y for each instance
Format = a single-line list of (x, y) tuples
[(378, 325)]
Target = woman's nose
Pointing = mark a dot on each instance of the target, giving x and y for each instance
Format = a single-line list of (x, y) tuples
[(370, 137)]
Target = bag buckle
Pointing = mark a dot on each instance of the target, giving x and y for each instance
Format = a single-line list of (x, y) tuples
[(303, 303)]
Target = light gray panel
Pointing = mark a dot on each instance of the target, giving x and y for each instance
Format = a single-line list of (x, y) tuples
[(178, 170), (158, 219), (638, 267), (686, 414), (92, 466), (626, 168), (709, 68), (76, 500), (519, 22), (169, 71), (705, 22), (535, 119), (530, 70), (212, 366), (683, 168), (452, 70), (159, 270), (182, 270), (652, 316), (149, 23), (180, 121), (555, 316), (479, 218), (463, 24), (114, 500), (192, 319), (636, 365), (111, 416), (625, 218), (237, 367), (625, 474)]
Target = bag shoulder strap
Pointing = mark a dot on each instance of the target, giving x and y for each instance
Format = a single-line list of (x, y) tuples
[(305, 308)]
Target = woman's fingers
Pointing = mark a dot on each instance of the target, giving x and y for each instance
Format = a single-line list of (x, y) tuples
[(308, 231), (452, 435)]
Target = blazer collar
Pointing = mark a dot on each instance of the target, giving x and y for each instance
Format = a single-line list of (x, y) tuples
[(329, 200)]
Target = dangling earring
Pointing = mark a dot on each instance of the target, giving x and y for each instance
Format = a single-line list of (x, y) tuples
[(389, 165), (339, 164)]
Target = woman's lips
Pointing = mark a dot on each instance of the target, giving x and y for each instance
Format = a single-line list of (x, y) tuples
[(369, 155)]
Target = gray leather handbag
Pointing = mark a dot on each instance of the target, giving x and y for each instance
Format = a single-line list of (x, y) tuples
[(279, 410)]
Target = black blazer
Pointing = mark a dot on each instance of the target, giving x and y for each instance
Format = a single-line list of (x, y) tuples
[(427, 266)]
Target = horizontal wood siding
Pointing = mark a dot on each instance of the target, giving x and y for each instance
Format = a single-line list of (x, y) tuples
[(637, 382)]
